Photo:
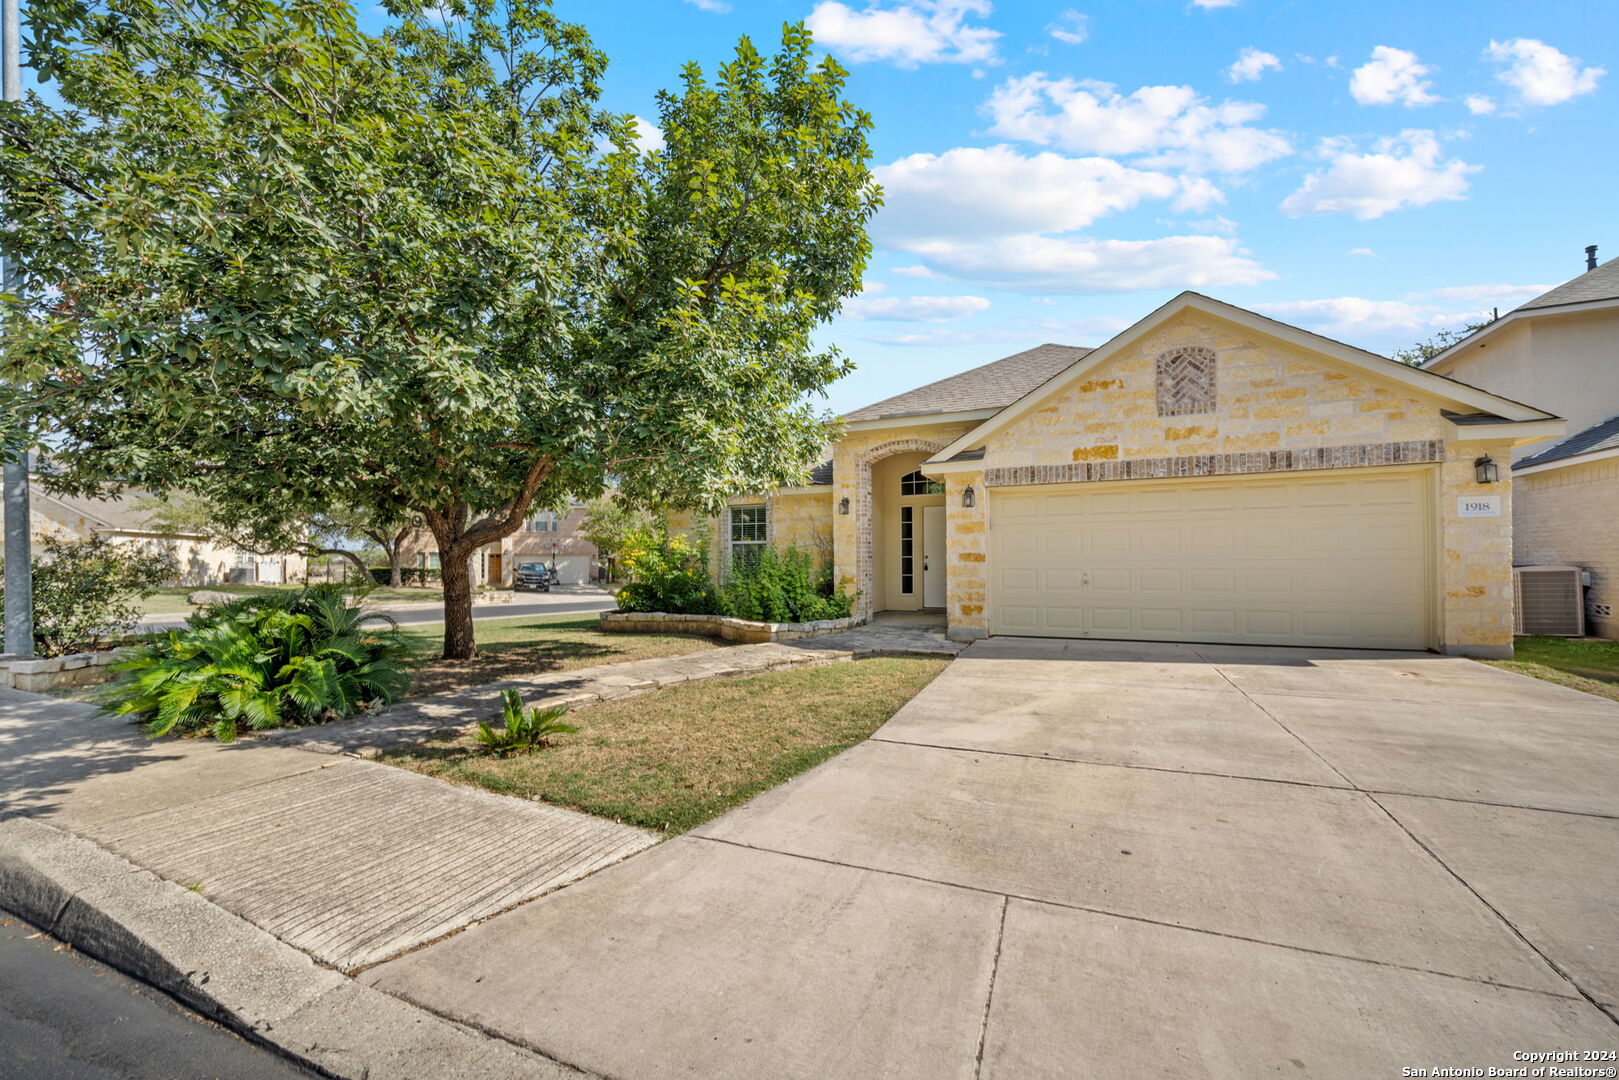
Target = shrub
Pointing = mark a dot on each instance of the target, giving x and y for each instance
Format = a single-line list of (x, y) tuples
[(523, 731), (85, 591), (261, 661), (783, 586), (666, 573), (408, 575)]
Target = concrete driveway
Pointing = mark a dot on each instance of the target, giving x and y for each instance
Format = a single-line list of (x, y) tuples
[(1107, 859)]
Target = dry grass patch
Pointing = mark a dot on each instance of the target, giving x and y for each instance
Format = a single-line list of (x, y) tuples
[(536, 645), (673, 759), (1586, 664)]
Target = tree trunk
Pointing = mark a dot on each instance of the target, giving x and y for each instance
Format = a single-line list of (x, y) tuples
[(457, 581), (396, 575)]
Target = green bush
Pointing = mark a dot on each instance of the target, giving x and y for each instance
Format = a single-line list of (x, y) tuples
[(264, 660), (783, 586), (666, 573), (523, 731), (408, 575), (85, 591)]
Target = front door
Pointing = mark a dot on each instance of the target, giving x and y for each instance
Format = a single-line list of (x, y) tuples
[(934, 592)]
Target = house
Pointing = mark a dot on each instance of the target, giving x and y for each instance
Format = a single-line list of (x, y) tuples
[(1561, 350), (1208, 475), (547, 536), (199, 560)]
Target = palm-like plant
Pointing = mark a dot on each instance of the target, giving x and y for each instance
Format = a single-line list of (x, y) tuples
[(522, 730), (262, 661)]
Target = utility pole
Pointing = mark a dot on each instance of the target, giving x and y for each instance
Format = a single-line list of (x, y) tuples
[(19, 636)]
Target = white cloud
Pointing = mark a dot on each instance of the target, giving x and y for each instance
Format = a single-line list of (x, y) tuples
[(713, 7), (1392, 75), (1400, 171), (1212, 5), (1071, 27), (1082, 265), (1494, 295), (1364, 253), (1479, 104), (1250, 64), (917, 271), (648, 136), (1404, 320), (911, 33), (1540, 74), (969, 191), (913, 308), (1174, 123)]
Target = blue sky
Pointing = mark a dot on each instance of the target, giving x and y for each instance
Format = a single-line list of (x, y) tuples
[(1055, 170)]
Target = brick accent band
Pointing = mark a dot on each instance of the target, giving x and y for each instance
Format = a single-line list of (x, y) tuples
[(1235, 464)]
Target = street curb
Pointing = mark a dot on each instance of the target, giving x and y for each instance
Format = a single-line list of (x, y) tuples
[(231, 971)]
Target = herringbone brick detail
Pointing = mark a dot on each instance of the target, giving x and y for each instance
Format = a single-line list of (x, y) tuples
[(1186, 381)]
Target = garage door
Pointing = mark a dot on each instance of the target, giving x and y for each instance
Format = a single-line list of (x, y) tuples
[(1337, 559)]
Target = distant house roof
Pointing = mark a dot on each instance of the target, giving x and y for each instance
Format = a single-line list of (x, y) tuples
[(118, 514), (993, 386), (1599, 284), (821, 474), (1603, 436)]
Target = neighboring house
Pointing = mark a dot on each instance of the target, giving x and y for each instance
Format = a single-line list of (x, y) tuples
[(198, 559), (547, 536), (1561, 350), (1208, 475)]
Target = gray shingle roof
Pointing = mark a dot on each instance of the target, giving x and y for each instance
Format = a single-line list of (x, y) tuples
[(992, 386), (1603, 436), (119, 512), (821, 474), (1599, 284)]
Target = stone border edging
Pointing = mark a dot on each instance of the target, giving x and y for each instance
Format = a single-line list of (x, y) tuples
[(231, 971), (724, 627), (36, 674)]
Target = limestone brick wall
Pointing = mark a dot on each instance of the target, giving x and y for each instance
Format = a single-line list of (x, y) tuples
[(1475, 567), (804, 520), (1270, 397), (968, 612), (1570, 517)]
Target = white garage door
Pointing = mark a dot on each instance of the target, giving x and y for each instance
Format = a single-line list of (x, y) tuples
[(1337, 559), (573, 569)]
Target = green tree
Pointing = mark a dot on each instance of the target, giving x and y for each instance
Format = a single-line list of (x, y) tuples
[(610, 520), (1423, 351), (85, 591), (295, 266)]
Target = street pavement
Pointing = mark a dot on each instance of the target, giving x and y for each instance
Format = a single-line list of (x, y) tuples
[(64, 1016)]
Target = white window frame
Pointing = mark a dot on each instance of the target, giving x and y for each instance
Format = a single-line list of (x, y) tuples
[(761, 526), (546, 521)]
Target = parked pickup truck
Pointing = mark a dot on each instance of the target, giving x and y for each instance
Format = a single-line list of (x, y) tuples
[(532, 577)]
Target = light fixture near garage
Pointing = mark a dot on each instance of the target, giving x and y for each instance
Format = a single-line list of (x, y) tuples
[(968, 497), (843, 505), (1486, 470)]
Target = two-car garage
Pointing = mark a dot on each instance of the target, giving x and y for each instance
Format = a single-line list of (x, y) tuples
[(1330, 559)]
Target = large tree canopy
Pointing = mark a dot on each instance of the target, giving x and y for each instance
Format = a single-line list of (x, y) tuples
[(292, 266)]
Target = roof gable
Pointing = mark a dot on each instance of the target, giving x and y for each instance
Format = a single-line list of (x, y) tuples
[(1458, 397)]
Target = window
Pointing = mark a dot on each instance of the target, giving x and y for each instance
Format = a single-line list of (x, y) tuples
[(914, 483), (749, 531), (907, 550), (427, 560), (543, 522)]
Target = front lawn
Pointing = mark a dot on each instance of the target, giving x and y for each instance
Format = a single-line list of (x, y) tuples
[(534, 645), (673, 759), (171, 599), (1584, 664)]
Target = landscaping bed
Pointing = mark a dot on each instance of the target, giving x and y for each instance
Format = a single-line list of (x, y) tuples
[(1587, 664), (535, 645), (673, 759)]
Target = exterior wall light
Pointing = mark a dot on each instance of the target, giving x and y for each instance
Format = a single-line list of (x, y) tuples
[(1487, 471), (843, 505), (968, 497)]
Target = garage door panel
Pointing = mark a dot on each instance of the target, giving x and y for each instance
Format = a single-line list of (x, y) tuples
[(1338, 560)]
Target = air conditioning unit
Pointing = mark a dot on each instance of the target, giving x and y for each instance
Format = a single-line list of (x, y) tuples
[(1549, 600)]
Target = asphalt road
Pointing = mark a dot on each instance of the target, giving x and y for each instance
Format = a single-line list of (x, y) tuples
[(529, 604), (64, 1016)]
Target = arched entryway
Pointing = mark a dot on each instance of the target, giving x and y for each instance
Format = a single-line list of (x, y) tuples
[(899, 563)]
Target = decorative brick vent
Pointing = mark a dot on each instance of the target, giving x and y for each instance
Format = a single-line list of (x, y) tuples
[(1252, 461), (1186, 381)]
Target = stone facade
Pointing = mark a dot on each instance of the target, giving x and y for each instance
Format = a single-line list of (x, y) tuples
[(1568, 516), (59, 672), (742, 631), (1278, 409)]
